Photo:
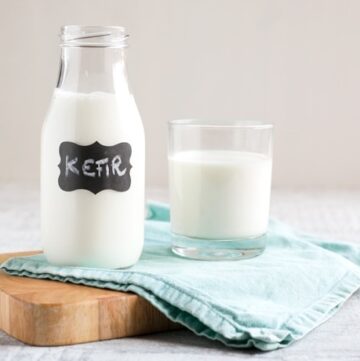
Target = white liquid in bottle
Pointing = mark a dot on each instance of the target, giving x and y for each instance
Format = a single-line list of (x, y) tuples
[(219, 194), (92, 155), (79, 227)]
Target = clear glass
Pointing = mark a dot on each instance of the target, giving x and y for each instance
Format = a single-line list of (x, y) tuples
[(93, 107), (220, 184), (93, 59)]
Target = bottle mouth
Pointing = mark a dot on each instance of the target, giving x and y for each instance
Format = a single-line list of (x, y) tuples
[(93, 36)]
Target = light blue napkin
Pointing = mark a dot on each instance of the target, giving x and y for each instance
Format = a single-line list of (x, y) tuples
[(267, 302)]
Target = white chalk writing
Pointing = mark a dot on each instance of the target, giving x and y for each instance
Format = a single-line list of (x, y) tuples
[(70, 166), (88, 167)]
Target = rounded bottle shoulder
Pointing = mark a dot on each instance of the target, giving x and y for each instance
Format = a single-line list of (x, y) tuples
[(94, 113)]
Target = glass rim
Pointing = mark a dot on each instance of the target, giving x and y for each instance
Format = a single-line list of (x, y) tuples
[(97, 36), (199, 123)]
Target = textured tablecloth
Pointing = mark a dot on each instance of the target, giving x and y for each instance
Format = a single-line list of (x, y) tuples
[(334, 214)]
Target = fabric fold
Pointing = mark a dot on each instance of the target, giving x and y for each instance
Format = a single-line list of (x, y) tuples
[(267, 302)]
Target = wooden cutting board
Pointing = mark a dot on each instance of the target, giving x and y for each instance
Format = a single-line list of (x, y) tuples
[(49, 313)]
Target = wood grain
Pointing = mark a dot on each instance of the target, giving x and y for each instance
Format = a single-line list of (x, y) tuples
[(48, 313)]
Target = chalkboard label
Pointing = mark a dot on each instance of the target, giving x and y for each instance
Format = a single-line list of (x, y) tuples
[(94, 167)]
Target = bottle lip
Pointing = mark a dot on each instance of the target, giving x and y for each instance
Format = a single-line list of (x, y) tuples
[(94, 36)]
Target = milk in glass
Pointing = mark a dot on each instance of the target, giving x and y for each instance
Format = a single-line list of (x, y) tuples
[(219, 194)]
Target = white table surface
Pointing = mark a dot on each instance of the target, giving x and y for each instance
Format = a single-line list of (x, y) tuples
[(334, 214)]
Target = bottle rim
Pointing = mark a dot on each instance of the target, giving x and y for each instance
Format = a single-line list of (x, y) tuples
[(94, 36)]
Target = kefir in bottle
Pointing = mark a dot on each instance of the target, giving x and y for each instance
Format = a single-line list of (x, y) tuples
[(92, 155)]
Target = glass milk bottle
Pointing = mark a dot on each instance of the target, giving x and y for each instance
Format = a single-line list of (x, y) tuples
[(92, 155)]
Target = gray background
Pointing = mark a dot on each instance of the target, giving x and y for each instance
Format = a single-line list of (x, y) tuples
[(295, 63)]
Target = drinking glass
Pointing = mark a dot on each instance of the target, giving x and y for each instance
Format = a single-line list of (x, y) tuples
[(220, 184)]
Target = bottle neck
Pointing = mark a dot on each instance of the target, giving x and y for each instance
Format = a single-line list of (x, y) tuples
[(93, 69)]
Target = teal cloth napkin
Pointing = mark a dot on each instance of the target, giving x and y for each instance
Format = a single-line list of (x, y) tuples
[(267, 302)]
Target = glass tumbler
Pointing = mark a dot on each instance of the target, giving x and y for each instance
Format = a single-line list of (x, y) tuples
[(220, 184)]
